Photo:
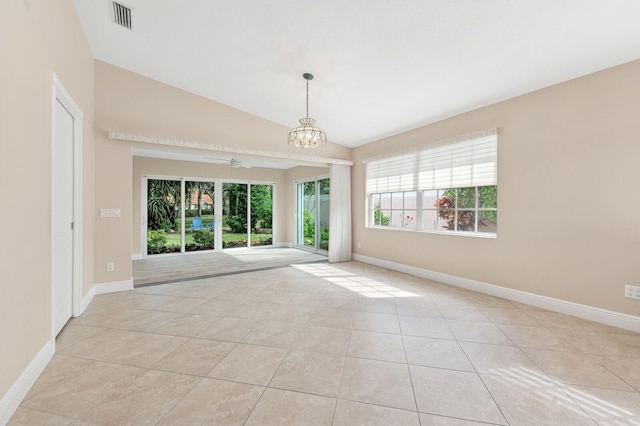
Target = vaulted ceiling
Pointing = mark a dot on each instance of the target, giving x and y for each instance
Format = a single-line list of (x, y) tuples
[(381, 67)]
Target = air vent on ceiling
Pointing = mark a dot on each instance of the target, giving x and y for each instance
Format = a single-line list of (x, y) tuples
[(122, 15)]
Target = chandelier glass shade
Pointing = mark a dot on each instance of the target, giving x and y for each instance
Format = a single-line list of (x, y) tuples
[(307, 135)]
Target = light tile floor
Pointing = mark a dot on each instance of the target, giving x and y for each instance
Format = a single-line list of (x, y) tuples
[(323, 344)]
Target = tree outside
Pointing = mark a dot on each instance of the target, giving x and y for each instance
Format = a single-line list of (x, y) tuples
[(260, 223), (261, 206), (200, 189), (165, 219), (163, 204), (234, 208)]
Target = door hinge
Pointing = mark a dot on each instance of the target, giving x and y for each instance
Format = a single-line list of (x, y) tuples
[(72, 226)]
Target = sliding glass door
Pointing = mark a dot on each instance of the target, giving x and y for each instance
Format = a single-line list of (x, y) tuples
[(234, 215), (307, 217), (163, 216), (261, 215), (323, 214), (237, 231), (199, 215), (186, 215), (313, 214)]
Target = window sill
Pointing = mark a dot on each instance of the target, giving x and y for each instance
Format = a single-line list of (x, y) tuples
[(488, 235)]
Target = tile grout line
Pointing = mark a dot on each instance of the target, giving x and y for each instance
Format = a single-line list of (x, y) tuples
[(49, 412), (179, 401), (578, 405), (406, 358), (344, 362), (475, 370), (285, 287)]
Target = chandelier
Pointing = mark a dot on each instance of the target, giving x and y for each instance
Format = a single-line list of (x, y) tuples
[(307, 135)]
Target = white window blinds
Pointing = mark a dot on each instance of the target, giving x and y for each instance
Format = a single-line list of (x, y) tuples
[(461, 162), (393, 174)]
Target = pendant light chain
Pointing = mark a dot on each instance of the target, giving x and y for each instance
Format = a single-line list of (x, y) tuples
[(307, 98)]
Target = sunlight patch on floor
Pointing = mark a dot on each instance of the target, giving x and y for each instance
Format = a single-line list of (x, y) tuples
[(601, 409), (363, 286), (539, 387)]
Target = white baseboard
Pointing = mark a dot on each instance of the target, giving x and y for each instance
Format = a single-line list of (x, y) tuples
[(86, 300), (103, 288), (12, 399), (114, 286), (286, 245), (603, 316), (136, 256)]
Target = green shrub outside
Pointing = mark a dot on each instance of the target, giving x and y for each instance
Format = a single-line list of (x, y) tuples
[(156, 240), (380, 218), (204, 238)]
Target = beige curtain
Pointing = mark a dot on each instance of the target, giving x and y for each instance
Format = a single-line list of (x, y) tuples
[(340, 214)]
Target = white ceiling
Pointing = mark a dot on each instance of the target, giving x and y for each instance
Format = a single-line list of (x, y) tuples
[(381, 67)]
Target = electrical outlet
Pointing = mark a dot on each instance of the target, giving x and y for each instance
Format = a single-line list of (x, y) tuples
[(111, 267), (359, 246), (632, 291)]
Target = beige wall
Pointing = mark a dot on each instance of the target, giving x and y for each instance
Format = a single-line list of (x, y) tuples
[(568, 200), (157, 167), (37, 38), (129, 102), (113, 191)]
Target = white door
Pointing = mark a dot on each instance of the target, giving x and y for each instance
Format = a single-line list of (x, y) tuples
[(62, 217)]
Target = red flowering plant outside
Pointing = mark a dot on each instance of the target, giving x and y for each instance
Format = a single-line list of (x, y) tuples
[(446, 211), (406, 220), (467, 202)]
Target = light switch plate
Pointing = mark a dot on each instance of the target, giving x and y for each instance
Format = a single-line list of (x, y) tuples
[(632, 291), (109, 212)]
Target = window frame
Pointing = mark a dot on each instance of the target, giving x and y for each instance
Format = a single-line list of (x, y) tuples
[(456, 164), (420, 209)]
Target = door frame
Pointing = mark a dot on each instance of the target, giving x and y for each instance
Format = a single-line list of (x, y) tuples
[(60, 94)]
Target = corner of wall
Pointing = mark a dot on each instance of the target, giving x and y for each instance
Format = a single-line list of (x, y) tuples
[(12, 399)]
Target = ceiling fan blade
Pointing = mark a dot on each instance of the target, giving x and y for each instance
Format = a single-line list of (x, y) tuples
[(236, 164)]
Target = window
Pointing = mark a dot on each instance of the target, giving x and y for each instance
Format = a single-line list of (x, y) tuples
[(449, 186), (398, 209)]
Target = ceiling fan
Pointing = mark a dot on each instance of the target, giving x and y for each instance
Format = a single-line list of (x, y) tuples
[(236, 164)]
